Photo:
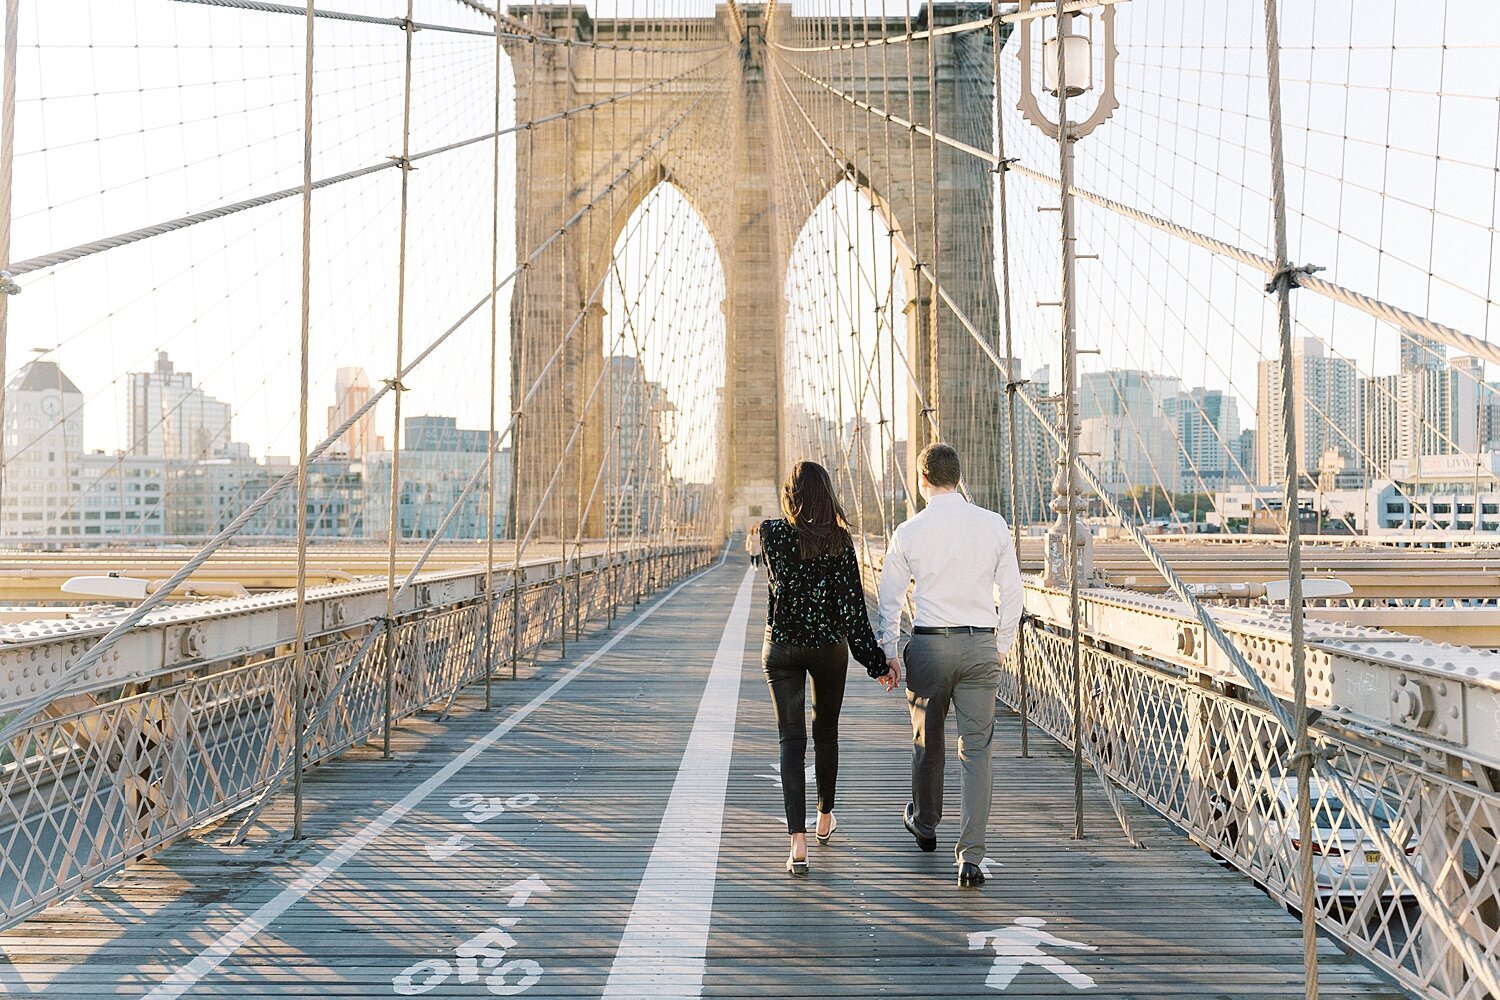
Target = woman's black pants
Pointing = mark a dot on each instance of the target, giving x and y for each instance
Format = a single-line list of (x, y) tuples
[(788, 669)]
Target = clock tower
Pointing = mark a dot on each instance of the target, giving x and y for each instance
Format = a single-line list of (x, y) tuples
[(43, 426)]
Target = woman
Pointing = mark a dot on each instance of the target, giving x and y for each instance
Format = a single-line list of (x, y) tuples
[(752, 545), (817, 613)]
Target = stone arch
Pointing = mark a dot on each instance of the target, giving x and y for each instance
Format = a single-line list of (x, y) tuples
[(738, 192), (665, 311), (642, 184), (861, 241)]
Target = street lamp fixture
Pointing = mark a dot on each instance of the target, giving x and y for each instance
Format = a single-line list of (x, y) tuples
[(1078, 58), (1077, 65)]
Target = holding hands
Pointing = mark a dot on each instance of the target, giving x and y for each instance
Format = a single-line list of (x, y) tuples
[(891, 679)]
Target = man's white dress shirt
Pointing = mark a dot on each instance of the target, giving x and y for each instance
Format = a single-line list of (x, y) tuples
[(964, 564)]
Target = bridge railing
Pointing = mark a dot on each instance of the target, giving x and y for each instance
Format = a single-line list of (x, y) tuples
[(110, 774), (1413, 724), (1193, 746)]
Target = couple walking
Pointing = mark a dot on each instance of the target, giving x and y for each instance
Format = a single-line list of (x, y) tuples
[(966, 606)]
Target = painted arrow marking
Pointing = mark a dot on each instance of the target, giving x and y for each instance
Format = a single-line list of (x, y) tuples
[(523, 890), (448, 848), (984, 867), (775, 777)]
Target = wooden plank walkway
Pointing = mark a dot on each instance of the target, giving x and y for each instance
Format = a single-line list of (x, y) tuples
[(527, 842)]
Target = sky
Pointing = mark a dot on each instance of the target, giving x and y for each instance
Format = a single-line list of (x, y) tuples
[(132, 112), (1390, 113)]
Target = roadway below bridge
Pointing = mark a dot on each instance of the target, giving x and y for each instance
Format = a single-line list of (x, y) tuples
[(36, 577), (1376, 572), (613, 828)]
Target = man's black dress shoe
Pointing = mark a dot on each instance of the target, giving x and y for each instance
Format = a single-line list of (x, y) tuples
[(970, 876), (928, 844)]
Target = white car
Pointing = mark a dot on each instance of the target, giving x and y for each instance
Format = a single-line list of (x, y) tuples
[(1345, 857)]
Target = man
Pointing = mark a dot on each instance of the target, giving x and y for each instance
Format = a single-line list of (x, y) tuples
[(963, 563)]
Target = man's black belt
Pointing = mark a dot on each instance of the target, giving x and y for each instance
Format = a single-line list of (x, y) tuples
[(951, 630)]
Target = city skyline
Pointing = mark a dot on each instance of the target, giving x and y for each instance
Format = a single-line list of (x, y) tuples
[(187, 475)]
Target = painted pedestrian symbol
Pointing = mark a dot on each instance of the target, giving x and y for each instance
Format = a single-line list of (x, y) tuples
[(775, 776), (1020, 945)]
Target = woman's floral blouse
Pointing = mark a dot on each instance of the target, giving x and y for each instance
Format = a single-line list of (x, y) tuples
[(819, 601)]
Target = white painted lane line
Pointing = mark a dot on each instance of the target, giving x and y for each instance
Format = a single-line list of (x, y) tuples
[(213, 956), (664, 948)]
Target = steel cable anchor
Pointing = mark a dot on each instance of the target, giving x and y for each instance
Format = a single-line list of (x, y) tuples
[(1288, 276)]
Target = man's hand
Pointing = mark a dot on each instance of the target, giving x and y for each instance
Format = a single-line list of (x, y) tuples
[(892, 678)]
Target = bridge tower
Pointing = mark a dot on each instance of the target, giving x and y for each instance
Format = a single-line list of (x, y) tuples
[(754, 204)]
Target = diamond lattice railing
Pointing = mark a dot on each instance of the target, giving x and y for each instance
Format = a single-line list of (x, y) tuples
[(1214, 764), (86, 791)]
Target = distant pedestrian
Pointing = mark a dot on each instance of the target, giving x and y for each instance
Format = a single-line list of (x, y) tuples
[(963, 563), (753, 546), (815, 617)]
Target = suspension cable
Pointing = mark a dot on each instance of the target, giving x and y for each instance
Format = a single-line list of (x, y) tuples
[(70, 677)]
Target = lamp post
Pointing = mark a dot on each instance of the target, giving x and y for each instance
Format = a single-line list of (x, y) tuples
[(1067, 72), (1068, 60)]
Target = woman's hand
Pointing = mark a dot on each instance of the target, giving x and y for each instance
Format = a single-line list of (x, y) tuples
[(891, 679)]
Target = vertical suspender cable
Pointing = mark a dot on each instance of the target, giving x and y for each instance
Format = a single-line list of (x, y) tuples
[(7, 171), (299, 646), (610, 430), (920, 421), (395, 521), (588, 352), (1070, 417), (1283, 283), (489, 507), (518, 363), (562, 296), (935, 247), (1012, 386)]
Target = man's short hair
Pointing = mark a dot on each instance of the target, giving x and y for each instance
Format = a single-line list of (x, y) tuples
[(939, 463)]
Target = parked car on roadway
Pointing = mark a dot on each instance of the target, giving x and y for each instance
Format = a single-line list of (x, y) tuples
[(1345, 857)]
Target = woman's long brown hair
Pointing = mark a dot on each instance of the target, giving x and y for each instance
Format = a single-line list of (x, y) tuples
[(814, 512)]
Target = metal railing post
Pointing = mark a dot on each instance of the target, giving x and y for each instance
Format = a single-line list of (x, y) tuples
[(299, 669), (389, 624), (1024, 696), (578, 591)]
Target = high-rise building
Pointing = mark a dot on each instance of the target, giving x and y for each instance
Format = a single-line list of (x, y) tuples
[(351, 390), (1208, 427), (1439, 412), (855, 480), (1128, 421), (1472, 395), (1489, 416), (635, 463), (1418, 351), (438, 460), (1430, 407), (1247, 451), (171, 418), (1380, 429), (1325, 388)]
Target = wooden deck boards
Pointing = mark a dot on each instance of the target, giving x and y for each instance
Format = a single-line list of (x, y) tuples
[(877, 918)]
